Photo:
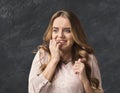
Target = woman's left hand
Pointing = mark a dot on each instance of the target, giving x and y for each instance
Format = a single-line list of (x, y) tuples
[(79, 68)]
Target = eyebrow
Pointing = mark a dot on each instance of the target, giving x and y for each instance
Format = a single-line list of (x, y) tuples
[(62, 28), (55, 27), (68, 28)]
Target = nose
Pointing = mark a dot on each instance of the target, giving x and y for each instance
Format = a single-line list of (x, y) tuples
[(61, 34)]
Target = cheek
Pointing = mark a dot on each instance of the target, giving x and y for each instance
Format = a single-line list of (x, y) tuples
[(71, 41), (53, 36)]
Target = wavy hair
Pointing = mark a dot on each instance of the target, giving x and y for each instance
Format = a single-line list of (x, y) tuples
[(80, 49)]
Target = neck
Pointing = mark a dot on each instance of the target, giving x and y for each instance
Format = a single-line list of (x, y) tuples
[(66, 55)]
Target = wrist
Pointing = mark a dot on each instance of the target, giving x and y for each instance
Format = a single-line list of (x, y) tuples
[(54, 61), (85, 81), (87, 86)]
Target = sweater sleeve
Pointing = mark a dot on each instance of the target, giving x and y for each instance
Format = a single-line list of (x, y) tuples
[(37, 82), (95, 71)]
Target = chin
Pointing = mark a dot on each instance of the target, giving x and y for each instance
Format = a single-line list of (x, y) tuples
[(64, 48)]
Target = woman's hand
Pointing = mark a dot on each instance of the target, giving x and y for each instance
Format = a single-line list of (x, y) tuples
[(79, 69), (54, 59), (54, 50)]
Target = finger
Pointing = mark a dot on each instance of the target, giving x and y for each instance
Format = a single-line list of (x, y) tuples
[(76, 67), (76, 62), (50, 43), (76, 71), (79, 60), (58, 45), (83, 59), (79, 65), (53, 44)]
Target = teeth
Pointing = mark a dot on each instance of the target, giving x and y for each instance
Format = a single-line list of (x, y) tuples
[(62, 41)]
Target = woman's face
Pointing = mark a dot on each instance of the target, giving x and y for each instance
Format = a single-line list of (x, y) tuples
[(61, 32)]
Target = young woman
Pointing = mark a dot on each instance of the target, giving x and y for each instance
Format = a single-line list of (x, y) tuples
[(65, 63)]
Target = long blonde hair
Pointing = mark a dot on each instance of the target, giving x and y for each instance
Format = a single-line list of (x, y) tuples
[(81, 49)]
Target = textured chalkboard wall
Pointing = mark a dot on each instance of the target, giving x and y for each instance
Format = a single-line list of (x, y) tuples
[(23, 22)]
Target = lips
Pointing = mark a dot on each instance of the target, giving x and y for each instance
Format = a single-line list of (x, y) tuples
[(62, 42)]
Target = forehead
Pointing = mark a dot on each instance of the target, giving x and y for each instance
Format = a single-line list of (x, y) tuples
[(61, 22)]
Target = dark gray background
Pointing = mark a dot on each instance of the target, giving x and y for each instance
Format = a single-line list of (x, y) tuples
[(23, 22)]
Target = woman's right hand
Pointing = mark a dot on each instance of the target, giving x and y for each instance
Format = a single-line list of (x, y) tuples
[(54, 50)]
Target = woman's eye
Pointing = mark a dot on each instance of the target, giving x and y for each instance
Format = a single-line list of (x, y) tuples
[(55, 30), (67, 30)]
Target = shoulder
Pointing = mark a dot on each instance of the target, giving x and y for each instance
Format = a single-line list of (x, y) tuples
[(92, 59), (41, 56)]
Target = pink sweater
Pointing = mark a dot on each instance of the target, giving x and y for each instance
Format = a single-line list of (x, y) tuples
[(64, 81)]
